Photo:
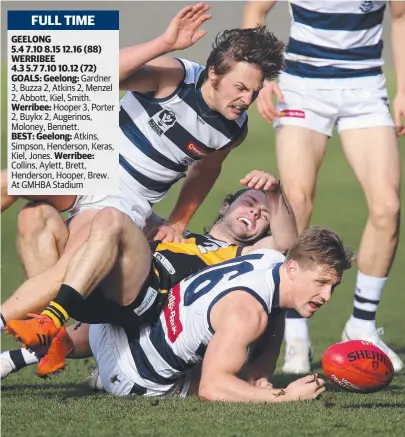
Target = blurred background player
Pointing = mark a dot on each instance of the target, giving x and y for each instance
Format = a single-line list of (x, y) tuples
[(334, 76)]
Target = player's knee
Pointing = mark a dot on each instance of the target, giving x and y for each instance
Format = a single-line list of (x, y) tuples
[(33, 219), (109, 221), (385, 213)]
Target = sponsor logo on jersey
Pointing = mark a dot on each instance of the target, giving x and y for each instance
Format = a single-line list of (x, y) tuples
[(172, 314), (195, 150), (295, 113), (147, 301), (366, 6), (162, 121), (165, 263)]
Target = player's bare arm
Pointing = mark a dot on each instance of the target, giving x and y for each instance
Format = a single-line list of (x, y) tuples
[(265, 352), (282, 219), (255, 13), (144, 67), (235, 329), (397, 38), (200, 179)]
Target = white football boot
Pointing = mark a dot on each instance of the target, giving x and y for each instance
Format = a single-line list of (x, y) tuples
[(6, 365), (298, 357), (351, 332)]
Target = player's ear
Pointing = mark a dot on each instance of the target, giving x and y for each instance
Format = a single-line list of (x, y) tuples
[(224, 208), (213, 78), (292, 269)]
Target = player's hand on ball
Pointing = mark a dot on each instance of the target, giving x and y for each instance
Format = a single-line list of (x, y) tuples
[(184, 30), (260, 180), (306, 388), (265, 104), (169, 233)]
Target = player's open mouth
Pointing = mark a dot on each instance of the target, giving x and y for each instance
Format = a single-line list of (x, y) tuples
[(238, 108), (246, 221), (314, 305)]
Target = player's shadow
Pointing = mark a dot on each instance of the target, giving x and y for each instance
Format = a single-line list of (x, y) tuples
[(62, 391), (377, 405)]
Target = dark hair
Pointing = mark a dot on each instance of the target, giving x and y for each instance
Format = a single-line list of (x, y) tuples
[(229, 199), (323, 247), (256, 46)]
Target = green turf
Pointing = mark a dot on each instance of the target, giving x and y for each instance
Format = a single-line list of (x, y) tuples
[(63, 406)]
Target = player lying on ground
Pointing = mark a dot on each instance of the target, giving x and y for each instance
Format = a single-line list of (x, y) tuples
[(212, 102), (129, 290), (215, 316), (334, 76)]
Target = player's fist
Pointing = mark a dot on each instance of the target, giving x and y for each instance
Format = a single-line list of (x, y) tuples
[(306, 388), (260, 180)]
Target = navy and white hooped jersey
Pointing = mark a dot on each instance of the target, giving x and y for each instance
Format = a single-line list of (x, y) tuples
[(335, 39), (160, 138), (166, 350)]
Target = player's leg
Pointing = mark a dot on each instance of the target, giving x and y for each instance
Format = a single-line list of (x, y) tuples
[(116, 258), (301, 138), (374, 157), (35, 293), (41, 237), (13, 361)]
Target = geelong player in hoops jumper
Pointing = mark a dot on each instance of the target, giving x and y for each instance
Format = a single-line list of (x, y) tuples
[(215, 316), (334, 76), (176, 114)]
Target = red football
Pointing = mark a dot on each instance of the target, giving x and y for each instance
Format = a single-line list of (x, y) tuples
[(358, 366)]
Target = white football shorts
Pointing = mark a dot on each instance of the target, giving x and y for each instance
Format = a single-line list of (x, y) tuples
[(311, 104), (117, 368), (129, 200)]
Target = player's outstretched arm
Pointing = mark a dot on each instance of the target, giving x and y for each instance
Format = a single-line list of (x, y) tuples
[(236, 326), (183, 31), (255, 13)]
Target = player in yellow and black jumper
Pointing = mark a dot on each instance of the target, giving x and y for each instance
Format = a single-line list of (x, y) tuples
[(243, 225)]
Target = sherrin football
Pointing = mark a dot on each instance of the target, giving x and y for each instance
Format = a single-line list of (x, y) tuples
[(358, 366)]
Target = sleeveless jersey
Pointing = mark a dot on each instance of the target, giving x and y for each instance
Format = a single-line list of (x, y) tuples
[(335, 39), (167, 349), (160, 138), (173, 262)]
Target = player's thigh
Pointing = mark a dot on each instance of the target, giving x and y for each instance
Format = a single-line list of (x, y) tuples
[(124, 283), (300, 152), (373, 154), (79, 230)]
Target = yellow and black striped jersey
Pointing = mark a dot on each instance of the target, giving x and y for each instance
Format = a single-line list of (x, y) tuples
[(173, 262)]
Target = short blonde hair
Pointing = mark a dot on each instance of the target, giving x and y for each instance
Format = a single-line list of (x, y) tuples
[(321, 246)]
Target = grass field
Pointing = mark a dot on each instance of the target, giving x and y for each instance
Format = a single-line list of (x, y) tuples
[(64, 406)]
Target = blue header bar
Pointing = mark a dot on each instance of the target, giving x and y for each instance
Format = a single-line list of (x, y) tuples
[(63, 20)]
